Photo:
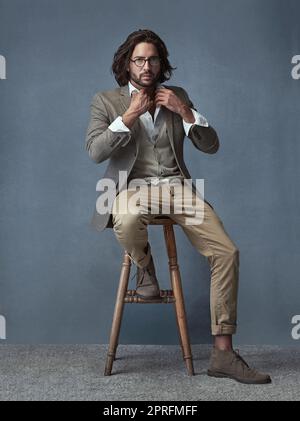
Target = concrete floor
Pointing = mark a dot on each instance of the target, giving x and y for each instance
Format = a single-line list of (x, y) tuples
[(151, 372)]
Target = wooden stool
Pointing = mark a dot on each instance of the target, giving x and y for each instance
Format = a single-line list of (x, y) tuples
[(175, 296)]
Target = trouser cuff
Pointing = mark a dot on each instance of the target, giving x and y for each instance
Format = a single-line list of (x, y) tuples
[(223, 329)]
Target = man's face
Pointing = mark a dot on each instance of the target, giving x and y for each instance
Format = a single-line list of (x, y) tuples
[(146, 76)]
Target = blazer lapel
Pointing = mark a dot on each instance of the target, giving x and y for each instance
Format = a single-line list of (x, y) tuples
[(124, 97), (125, 100), (170, 125)]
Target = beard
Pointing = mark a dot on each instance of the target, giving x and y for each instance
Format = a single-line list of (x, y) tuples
[(143, 82)]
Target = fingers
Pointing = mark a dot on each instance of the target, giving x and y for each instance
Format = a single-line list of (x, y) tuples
[(143, 97), (160, 96), (140, 93)]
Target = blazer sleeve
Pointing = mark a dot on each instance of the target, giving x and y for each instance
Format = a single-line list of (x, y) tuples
[(204, 138), (101, 142)]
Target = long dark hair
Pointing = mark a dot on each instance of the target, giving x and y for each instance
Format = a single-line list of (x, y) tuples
[(123, 54)]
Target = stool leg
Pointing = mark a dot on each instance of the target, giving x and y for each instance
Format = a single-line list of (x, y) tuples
[(179, 300), (118, 313), (181, 344)]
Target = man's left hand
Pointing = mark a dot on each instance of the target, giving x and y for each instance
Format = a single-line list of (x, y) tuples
[(170, 100)]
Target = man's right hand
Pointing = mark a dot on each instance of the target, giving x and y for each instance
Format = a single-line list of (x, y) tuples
[(140, 103)]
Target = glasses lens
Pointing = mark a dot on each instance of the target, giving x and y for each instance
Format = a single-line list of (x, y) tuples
[(139, 62), (154, 61)]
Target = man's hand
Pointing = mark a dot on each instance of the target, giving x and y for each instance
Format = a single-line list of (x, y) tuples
[(140, 103), (170, 100)]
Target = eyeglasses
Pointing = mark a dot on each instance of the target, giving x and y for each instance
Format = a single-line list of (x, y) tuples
[(140, 62)]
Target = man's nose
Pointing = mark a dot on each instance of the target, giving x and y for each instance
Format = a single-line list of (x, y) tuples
[(147, 65)]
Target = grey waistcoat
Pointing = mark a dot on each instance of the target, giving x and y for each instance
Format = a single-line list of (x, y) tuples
[(155, 157)]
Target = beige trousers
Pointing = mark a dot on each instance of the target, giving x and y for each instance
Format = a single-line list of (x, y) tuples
[(131, 216)]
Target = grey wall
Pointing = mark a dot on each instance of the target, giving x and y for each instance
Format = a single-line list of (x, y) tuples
[(58, 277)]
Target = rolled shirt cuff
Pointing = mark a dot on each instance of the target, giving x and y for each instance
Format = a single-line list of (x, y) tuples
[(118, 126), (199, 119)]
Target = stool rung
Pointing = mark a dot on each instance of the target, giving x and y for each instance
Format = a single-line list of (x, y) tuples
[(166, 297)]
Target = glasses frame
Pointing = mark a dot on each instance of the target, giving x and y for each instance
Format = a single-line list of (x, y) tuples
[(146, 59)]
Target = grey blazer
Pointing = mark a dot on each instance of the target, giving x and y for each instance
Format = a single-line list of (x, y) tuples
[(102, 144)]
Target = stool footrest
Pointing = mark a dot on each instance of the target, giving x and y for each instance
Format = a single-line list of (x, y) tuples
[(166, 297)]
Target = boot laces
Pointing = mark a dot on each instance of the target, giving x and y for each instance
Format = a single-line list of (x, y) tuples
[(240, 358)]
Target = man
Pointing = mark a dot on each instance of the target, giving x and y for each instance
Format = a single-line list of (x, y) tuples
[(140, 127)]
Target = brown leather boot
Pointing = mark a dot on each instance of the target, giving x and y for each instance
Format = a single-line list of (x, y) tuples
[(147, 284), (229, 364)]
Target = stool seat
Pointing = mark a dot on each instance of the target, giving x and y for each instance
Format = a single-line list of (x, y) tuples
[(162, 220), (173, 296)]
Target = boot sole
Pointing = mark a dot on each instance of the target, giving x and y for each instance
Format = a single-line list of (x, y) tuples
[(244, 381)]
